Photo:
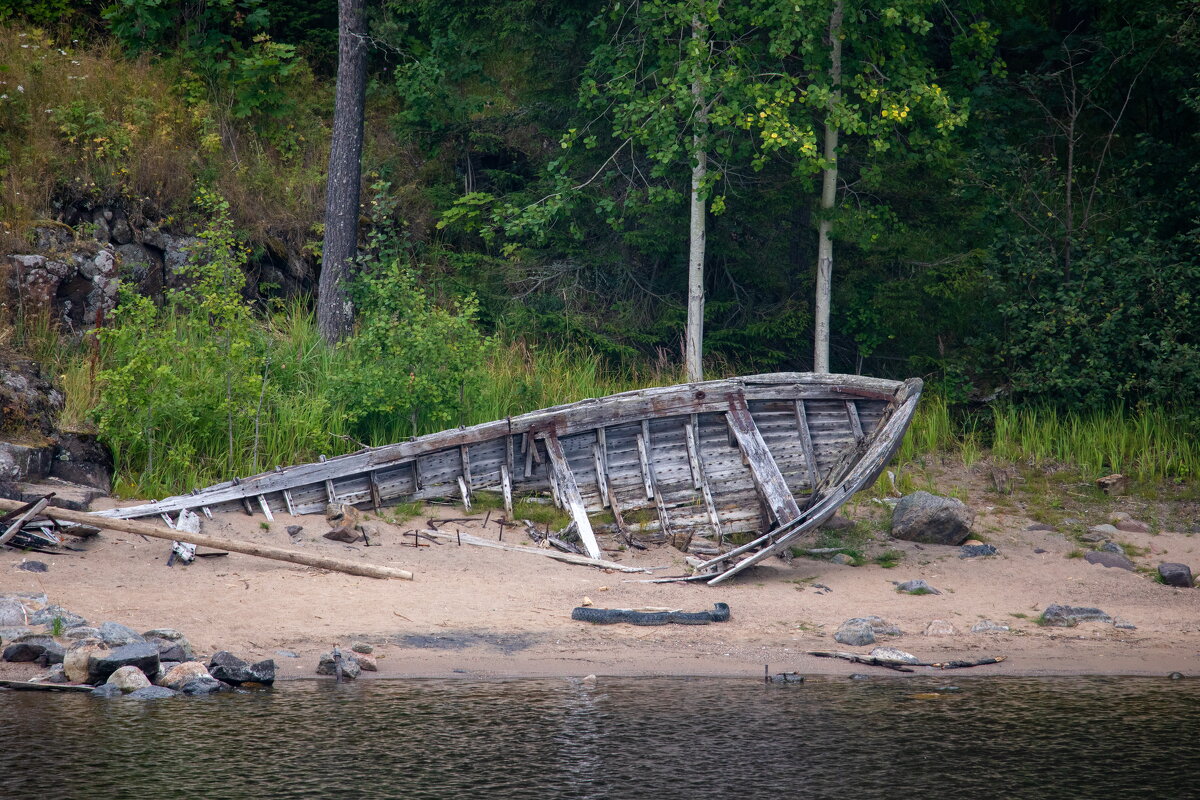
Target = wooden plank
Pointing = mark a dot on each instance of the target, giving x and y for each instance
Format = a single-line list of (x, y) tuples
[(616, 510), (855, 424), (763, 468), (601, 477), (647, 474), (527, 449), (465, 455), (248, 548), (806, 445), (266, 509), (712, 511), (247, 507), (376, 497), (30, 513), (464, 492), (506, 486), (689, 429), (287, 501), (569, 490)]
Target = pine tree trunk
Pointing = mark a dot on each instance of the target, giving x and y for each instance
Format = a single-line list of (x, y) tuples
[(828, 197), (694, 344), (335, 314)]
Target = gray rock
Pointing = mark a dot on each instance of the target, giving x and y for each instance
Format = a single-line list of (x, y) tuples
[(1092, 538), (205, 684), (939, 627), (1113, 547), (227, 667), (1131, 526), (120, 231), (1069, 616), (114, 634), (171, 651), (47, 615), (855, 632), (81, 458), (106, 690), (328, 666), (1175, 574), (170, 634), (1124, 625), (362, 647), (987, 626), (151, 693), (56, 674), (1104, 531), (181, 674), (33, 566), (925, 517), (977, 550), (841, 558), (8, 634), (294, 530), (32, 649), (103, 663), (1106, 559), (894, 655), (12, 613), (916, 587)]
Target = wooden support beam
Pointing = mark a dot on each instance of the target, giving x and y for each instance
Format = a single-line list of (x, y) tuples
[(647, 474), (266, 509), (527, 451), (763, 468), (617, 516), (465, 454), (249, 509), (464, 492), (287, 501), (569, 490), (506, 485), (601, 477), (376, 496), (855, 424), (806, 445), (231, 545), (689, 436)]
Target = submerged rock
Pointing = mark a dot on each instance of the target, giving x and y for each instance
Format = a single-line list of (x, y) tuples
[(328, 665), (225, 666), (204, 684), (151, 693), (106, 690), (179, 675), (128, 679)]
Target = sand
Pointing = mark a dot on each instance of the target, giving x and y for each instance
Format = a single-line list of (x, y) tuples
[(483, 613)]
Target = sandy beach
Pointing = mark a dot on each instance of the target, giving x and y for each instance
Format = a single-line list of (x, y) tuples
[(486, 613)]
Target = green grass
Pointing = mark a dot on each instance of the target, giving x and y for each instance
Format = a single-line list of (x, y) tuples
[(889, 558), (541, 514)]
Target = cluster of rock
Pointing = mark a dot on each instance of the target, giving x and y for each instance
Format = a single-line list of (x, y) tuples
[(114, 658), (1108, 552), (348, 666)]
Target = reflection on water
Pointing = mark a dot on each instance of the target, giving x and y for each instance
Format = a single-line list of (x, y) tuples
[(694, 738)]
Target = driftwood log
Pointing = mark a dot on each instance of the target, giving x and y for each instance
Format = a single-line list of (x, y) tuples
[(871, 661), (232, 545)]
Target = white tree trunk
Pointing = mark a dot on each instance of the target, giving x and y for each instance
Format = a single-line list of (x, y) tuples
[(694, 344), (828, 198)]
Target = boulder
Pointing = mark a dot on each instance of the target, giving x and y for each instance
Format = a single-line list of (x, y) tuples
[(28, 399), (8, 634), (49, 614), (362, 647), (987, 626), (841, 558), (33, 566), (929, 518), (1113, 484), (142, 655), (151, 693), (178, 676), (128, 679), (1106, 559), (1098, 533), (20, 462), (173, 651), (1069, 616), (227, 667), (80, 458), (34, 648), (114, 634), (328, 666), (939, 627), (79, 656), (1131, 526), (1112, 547), (916, 587), (1176, 575), (977, 550), (855, 632), (366, 662), (82, 632)]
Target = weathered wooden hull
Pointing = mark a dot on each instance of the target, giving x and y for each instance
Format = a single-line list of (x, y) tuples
[(707, 463)]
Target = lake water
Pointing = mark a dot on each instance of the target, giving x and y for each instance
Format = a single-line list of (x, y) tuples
[(995, 738)]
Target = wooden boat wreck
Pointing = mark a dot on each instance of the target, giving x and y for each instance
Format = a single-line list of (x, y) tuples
[(731, 469)]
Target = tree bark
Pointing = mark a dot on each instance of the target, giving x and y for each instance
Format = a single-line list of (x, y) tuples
[(694, 344), (335, 314), (828, 197)]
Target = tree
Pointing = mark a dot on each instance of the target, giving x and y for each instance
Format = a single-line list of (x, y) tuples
[(828, 196), (335, 312)]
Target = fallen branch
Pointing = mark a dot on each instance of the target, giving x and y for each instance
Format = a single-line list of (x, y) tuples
[(855, 658), (964, 664), (569, 558), (246, 548)]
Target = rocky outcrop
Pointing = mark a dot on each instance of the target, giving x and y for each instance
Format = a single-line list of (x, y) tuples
[(931, 519), (75, 287)]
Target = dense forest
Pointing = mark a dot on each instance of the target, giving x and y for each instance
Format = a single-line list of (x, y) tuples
[(1011, 204)]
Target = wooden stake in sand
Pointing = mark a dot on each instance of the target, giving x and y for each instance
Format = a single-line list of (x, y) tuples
[(234, 546)]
